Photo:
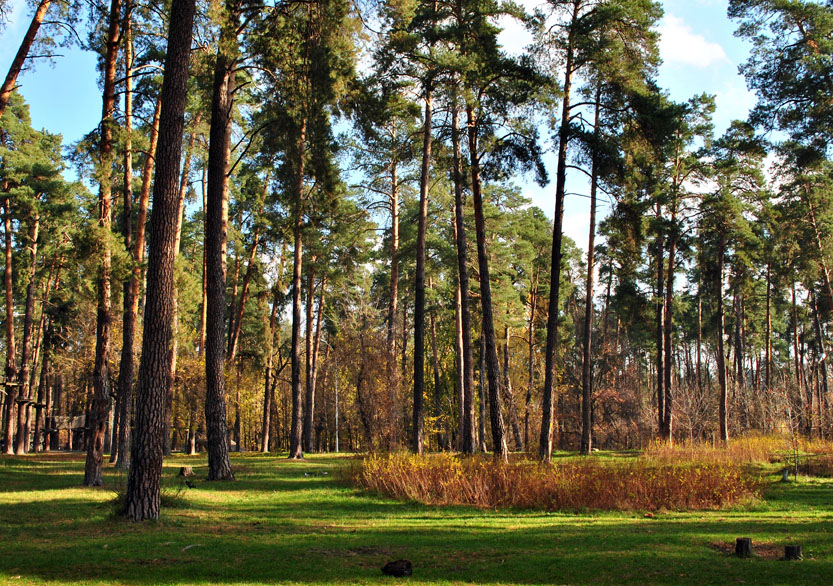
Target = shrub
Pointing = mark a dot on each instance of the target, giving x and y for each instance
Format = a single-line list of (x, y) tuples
[(587, 484)]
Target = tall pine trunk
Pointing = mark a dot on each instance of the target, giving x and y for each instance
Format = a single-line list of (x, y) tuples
[(587, 354), (297, 423), (467, 416), (142, 500), (723, 408), (216, 236), (418, 439), (100, 409)]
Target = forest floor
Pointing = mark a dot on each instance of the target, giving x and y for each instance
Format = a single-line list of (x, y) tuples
[(286, 522)]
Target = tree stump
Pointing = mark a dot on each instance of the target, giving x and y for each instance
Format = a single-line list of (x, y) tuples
[(399, 568), (186, 471), (743, 547), (793, 552)]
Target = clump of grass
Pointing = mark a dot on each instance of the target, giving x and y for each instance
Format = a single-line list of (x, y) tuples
[(748, 449), (571, 485)]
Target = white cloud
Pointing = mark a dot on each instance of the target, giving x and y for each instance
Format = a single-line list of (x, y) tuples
[(734, 102), (680, 45)]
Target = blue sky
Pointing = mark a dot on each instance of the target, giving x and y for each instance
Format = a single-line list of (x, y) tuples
[(698, 47)]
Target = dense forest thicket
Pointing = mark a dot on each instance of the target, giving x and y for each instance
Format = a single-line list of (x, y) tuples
[(306, 233)]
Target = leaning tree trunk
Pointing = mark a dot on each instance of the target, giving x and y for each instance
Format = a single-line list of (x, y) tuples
[(100, 409), (22, 53), (501, 451), (142, 500), (216, 227), (547, 403), (418, 439)]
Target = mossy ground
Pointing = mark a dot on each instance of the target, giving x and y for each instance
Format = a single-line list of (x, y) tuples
[(285, 522)]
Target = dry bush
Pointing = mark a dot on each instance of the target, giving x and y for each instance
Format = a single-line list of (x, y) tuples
[(748, 449), (590, 484)]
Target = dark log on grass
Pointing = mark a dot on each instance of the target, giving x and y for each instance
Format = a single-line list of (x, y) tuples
[(399, 568), (743, 547), (793, 552)]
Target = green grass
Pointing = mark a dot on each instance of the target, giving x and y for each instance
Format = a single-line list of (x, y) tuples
[(277, 526)]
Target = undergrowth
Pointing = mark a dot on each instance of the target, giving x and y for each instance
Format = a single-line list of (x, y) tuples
[(641, 484)]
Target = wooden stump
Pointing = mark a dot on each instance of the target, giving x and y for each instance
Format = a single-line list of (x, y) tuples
[(743, 547), (186, 471), (793, 552)]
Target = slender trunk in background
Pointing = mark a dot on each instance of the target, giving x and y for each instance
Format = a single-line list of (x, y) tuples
[(668, 323), (721, 334), (123, 395), (587, 367), (435, 365), (501, 451), (467, 416), (481, 430), (823, 390), (11, 358), (660, 335), (267, 386), (100, 410), (216, 238), (22, 53), (796, 354), (393, 380), (142, 500), (547, 400), (41, 410), (418, 439), (309, 397), (297, 424), (768, 341), (203, 304), (458, 366), (174, 350), (23, 409), (509, 396), (236, 322), (132, 290), (533, 298)]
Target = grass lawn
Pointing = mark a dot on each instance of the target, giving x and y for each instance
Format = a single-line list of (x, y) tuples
[(288, 522)]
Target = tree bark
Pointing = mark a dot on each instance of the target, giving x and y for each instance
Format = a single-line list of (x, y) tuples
[(418, 439), (99, 412), (22, 53), (143, 483), (216, 230)]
